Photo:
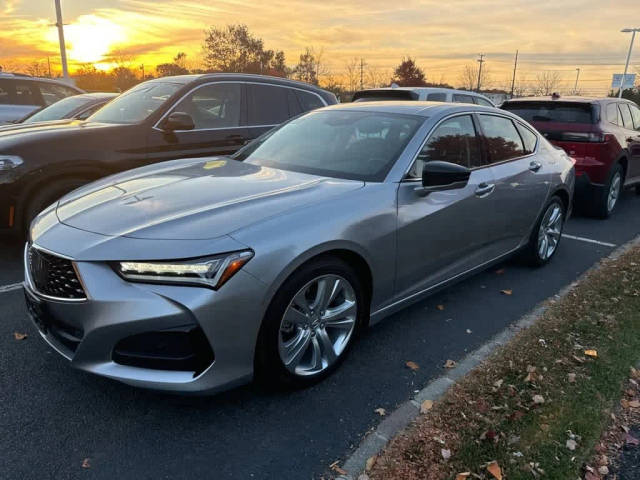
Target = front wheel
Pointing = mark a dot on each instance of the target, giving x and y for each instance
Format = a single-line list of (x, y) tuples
[(311, 323), (547, 233)]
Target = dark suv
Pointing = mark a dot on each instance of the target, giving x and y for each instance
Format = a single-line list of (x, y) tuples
[(601, 134), (161, 119)]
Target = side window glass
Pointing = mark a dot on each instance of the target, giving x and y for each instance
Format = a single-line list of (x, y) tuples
[(613, 114), (89, 111), (213, 106), (24, 94), (503, 140), (268, 104), (482, 101), (626, 116), (635, 114), (309, 101), (294, 104), (458, 98), (454, 141), (437, 97), (529, 138), (5, 94), (51, 92)]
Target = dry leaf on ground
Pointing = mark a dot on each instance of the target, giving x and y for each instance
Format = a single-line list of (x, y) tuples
[(506, 292), (412, 365), (446, 454), (334, 466), (19, 336), (538, 399), (494, 469), (571, 444), (591, 353), (426, 406), (380, 411), (449, 364), (86, 463), (572, 377), (463, 475), (371, 461), (634, 403), (440, 307)]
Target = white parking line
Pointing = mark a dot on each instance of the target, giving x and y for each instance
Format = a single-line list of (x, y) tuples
[(11, 287), (589, 240)]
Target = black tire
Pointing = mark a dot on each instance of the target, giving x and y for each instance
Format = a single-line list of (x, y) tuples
[(531, 252), (270, 370), (600, 204), (45, 197)]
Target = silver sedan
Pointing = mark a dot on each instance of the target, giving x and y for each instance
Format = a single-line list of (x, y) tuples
[(195, 275)]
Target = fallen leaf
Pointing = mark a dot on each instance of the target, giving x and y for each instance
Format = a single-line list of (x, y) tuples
[(544, 427), (500, 271), (334, 466), (603, 470), (440, 307), (371, 461), (380, 411), (426, 406), (498, 383), (531, 377), (634, 403), (412, 365), (571, 444), (494, 469), (538, 399), (591, 353), (86, 463), (631, 440), (468, 331), (449, 364), (572, 377), (624, 403), (19, 336), (463, 475), (506, 292), (578, 359), (446, 454)]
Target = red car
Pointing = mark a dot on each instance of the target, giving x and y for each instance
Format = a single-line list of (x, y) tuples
[(601, 134)]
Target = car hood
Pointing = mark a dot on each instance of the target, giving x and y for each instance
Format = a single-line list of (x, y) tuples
[(192, 200)]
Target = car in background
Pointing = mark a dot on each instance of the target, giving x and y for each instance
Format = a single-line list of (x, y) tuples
[(77, 107), (429, 94), (161, 119), (23, 94), (601, 134), (196, 275)]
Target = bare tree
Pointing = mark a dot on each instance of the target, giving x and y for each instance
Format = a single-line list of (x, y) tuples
[(352, 76), (377, 77), (547, 82), (37, 69), (311, 66), (469, 77)]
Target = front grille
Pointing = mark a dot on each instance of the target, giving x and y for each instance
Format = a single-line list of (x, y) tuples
[(54, 276)]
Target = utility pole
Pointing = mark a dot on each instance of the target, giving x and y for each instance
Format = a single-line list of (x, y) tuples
[(513, 80), (480, 61), (575, 87), (142, 68), (63, 49), (362, 65), (626, 67), (49, 65)]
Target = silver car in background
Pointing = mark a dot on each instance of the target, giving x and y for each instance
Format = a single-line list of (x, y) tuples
[(195, 275)]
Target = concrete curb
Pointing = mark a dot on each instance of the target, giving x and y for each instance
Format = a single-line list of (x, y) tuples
[(402, 416)]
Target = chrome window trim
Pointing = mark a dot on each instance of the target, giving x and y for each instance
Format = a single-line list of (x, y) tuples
[(168, 112), (32, 288)]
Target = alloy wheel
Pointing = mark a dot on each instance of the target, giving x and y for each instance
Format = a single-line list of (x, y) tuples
[(550, 231), (614, 191), (317, 325)]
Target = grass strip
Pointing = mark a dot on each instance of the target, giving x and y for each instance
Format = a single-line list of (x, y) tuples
[(537, 406)]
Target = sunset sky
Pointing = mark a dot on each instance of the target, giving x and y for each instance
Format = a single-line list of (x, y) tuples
[(442, 36)]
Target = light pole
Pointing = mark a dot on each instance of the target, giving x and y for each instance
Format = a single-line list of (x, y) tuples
[(626, 67), (575, 87), (63, 49)]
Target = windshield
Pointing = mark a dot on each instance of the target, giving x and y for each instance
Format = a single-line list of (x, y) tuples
[(336, 143), (136, 104), (57, 111), (553, 111)]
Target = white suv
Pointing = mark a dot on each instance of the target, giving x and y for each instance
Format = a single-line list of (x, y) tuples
[(430, 94), (22, 94)]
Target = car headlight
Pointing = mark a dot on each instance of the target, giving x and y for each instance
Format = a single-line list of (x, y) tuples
[(212, 272), (9, 162)]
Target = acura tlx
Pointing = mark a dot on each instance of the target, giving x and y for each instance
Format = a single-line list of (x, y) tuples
[(195, 275)]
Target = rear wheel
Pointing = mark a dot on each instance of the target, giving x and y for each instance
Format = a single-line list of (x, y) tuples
[(547, 233), (605, 202), (46, 196), (311, 324)]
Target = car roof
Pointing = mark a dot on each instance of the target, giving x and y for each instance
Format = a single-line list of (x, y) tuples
[(97, 95), (25, 77), (425, 90), (409, 107), (560, 98)]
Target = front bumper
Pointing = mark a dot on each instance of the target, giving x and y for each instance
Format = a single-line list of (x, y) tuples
[(86, 332)]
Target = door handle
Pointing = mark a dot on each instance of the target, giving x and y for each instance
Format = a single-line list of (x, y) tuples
[(535, 165), (485, 189)]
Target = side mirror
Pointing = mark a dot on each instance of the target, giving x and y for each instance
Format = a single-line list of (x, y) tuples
[(178, 121), (438, 176)]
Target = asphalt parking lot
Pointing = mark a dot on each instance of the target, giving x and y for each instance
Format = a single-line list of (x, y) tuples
[(52, 417)]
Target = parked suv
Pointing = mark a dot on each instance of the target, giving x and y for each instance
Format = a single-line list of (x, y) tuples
[(23, 94), (161, 119), (601, 134), (430, 94)]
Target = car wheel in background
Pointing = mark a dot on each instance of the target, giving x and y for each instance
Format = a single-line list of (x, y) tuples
[(605, 201), (311, 323), (46, 196), (546, 235)]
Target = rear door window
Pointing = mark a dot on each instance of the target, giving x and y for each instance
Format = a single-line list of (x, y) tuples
[(51, 92), (309, 101), (459, 98), (483, 102), (613, 114), (555, 112), (502, 138), (627, 120), (437, 97), (267, 104), (635, 114), (26, 94), (5, 93)]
